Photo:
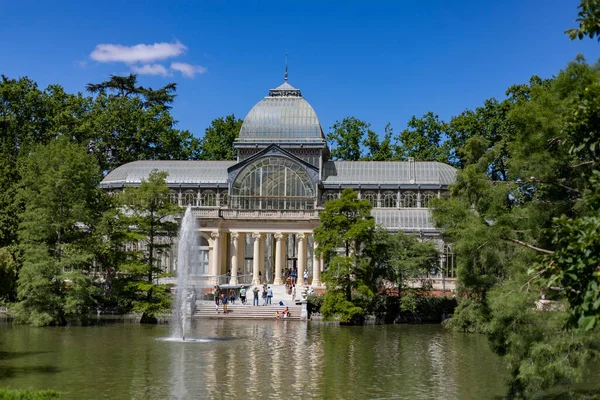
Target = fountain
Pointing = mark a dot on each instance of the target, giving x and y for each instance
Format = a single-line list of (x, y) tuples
[(187, 257)]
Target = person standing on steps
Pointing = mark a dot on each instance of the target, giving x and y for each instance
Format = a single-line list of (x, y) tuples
[(306, 277), (293, 293), (264, 296), (255, 291), (224, 301), (216, 295), (243, 296), (269, 295)]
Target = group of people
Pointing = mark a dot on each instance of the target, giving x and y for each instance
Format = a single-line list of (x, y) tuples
[(225, 298), (267, 295)]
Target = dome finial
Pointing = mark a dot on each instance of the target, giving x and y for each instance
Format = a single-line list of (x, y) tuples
[(285, 76)]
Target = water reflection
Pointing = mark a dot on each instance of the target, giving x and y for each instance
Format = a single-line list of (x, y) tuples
[(258, 359)]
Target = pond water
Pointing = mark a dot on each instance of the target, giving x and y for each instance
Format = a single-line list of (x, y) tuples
[(251, 359)]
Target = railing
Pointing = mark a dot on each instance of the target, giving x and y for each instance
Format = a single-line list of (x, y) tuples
[(224, 213), (208, 281)]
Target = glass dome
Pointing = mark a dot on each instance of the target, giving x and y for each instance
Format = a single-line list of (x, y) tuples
[(282, 116)]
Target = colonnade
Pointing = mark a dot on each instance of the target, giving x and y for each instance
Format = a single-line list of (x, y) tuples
[(237, 255)]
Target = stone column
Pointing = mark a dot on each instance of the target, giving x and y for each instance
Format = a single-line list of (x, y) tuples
[(301, 262), (242, 255), (216, 261), (278, 236), (284, 251), (316, 280), (234, 258), (256, 258), (261, 259)]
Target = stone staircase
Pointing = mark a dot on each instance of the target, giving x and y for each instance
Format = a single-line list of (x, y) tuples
[(206, 309)]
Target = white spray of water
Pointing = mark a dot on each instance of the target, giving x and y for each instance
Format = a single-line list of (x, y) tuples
[(188, 257)]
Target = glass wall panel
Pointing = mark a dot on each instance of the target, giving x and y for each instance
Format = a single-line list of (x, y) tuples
[(273, 183)]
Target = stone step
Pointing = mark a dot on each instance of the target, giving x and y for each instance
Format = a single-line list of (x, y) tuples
[(239, 311)]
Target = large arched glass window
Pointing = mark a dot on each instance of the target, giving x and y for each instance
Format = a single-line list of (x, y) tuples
[(372, 197), (389, 200), (209, 199), (409, 199), (273, 183), (330, 195), (189, 199), (426, 198)]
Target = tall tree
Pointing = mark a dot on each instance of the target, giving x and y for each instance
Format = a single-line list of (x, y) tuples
[(150, 213), (60, 193), (424, 140), (346, 137), (217, 143), (345, 223), (522, 218), (379, 150)]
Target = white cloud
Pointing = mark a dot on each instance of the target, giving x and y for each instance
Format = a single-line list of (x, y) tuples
[(188, 70), (138, 53), (150, 69)]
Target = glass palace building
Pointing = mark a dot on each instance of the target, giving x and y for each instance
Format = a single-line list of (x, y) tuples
[(256, 215)]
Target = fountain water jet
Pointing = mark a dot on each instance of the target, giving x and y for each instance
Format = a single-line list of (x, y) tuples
[(188, 256)]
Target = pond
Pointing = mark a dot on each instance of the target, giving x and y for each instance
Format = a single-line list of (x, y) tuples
[(251, 359)]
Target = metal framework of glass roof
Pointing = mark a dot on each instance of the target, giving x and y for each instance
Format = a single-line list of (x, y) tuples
[(387, 173), (282, 116), (278, 132)]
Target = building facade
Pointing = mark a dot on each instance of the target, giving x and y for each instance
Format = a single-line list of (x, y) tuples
[(256, 215)]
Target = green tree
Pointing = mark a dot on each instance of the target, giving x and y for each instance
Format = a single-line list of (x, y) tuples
[(379, 150), (346, 223), (8, 274), (60, 193), (411, 260), (346, 137), (588, 19), (149, 211), (521, 217), (424, 140), (217, 143)]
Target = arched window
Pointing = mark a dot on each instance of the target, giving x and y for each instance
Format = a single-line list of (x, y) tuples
[(426, 198), (330, 195), (371, 196), (273, 183), (389, 200), (189, 199), (223, 199), (173, 198), (408, 199), (449, 261), (209, 199)]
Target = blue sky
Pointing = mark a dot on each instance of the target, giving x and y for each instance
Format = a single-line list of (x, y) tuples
[(381, 61)]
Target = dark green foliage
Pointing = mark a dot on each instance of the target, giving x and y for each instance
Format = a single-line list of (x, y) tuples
[(336, 305), (346, 138), (588, 19), (314, 303), (28, 394), (539, 352), (8, 274), (347, 223), (60, 194), (523, 219), (148, 210), (424, 140), (470, 316), (217, 143)]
